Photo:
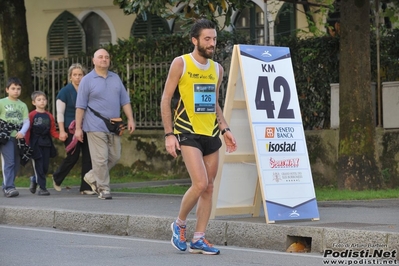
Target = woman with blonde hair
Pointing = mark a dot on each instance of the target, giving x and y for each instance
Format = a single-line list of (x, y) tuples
[(65, 104)]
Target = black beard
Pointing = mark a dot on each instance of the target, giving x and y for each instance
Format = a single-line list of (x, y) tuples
[(203, 52)]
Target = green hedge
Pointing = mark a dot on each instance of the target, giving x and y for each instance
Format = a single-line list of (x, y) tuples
[(149, 61), (316, 65)]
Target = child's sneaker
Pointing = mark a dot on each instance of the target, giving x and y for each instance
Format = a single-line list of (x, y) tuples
[(43, 192), (33, 185), (11, 192), (202, 246), (179, 236)]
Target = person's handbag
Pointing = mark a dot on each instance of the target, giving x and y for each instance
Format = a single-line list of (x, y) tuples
[(114, 125)]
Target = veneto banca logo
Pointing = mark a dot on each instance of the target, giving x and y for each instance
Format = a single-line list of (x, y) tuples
[(279, 132)]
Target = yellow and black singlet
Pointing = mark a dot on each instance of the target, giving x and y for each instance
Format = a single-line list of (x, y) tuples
[(195, 112)]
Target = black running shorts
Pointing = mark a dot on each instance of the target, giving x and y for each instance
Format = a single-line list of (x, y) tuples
[(207, 145)]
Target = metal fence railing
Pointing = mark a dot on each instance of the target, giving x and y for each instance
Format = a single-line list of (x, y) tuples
[(51, 76), (144, 82)]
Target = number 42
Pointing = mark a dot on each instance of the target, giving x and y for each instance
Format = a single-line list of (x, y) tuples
[(267, 103)]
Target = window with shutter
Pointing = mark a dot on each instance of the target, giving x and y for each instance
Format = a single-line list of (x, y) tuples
[(66, 37), (285, 22), (97, 32), (179, 25), (149, 26), (250, 21)]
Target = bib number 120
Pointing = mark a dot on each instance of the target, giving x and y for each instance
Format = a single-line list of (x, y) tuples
[(267, 104)]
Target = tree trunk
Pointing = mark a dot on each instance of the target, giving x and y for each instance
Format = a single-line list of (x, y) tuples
[(357, 169), (15, 45)]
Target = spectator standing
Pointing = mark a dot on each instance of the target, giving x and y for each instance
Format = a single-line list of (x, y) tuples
[(66, 101), (101, 90), (14, 126)]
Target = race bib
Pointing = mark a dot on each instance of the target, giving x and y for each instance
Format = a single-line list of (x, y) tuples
[(204, 98)]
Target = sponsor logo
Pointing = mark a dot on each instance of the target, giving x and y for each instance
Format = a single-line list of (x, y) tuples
[(286, 163), (281, 147), (276, 177), (266, 54), (193, 75), (287, 177), (200, 76), (279, 132), (269, 132), (294, 214)]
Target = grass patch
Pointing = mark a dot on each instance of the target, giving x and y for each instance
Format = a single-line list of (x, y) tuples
[(322, 194), (325, 194), (171, 190), (117, 177)]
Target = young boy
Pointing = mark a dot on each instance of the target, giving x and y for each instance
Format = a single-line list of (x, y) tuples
[(14, 125), (39, 138)]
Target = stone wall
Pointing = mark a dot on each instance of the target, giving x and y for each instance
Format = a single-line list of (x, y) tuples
[(144, 150)]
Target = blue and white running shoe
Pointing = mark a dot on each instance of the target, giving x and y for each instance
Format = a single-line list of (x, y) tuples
[(202, 246), (179, 236)]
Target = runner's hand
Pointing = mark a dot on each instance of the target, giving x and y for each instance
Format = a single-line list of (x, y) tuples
[(231, 145), (172, 145)]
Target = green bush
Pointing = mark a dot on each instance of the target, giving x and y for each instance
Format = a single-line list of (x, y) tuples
[(149, 60), (316, 66)]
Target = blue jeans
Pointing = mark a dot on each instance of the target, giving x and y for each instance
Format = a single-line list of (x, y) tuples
[(10, 163)]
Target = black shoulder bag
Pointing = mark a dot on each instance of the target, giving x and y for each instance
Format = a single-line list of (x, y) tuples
[(114, 125)]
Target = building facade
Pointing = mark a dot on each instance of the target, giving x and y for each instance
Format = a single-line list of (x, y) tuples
[(59, 29)]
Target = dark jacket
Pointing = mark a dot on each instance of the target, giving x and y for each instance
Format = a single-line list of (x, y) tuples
[(42, 128), (24, 150)]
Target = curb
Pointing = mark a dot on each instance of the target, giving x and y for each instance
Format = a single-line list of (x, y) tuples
[(241, 234)]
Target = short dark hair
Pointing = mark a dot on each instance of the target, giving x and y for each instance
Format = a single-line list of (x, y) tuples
[(199, 25), (36, 94), (15, 81)]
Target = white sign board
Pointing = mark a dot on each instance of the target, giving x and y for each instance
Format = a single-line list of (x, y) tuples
[(278, 138)]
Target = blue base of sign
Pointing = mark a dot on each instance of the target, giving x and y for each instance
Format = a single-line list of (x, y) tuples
[(279, 212)]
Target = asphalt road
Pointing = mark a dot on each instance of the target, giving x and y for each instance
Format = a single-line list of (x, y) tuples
[(44, 246)]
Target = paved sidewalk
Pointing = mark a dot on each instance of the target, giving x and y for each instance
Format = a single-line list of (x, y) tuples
[(354, 224)]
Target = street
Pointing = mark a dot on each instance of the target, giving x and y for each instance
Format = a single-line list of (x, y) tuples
[(47, 246)]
